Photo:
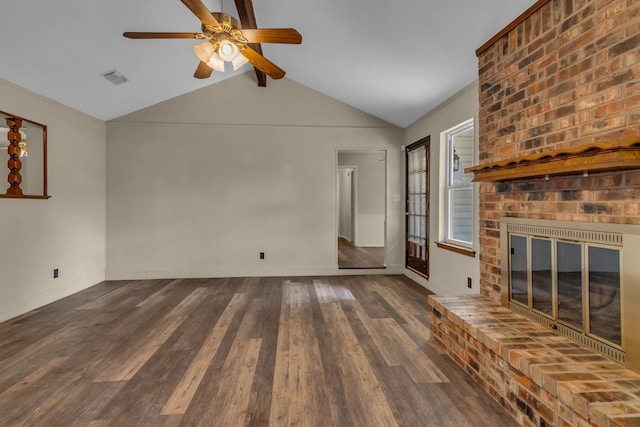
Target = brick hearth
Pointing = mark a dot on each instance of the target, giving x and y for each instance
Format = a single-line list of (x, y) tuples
[(541, 378)]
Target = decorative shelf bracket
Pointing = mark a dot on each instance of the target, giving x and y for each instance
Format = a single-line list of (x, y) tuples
[(593, 157)]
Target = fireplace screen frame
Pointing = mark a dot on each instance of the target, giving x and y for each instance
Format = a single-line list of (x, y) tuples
[(625, 238)]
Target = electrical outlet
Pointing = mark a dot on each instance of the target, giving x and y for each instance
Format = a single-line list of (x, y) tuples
[(261, 255), (55, 273), (469, 282)]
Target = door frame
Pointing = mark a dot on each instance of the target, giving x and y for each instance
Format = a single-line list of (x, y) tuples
[(354, 202), (360, 150), (422, 270)]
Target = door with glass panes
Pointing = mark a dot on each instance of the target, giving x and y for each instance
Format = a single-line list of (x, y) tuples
[(417, 212)]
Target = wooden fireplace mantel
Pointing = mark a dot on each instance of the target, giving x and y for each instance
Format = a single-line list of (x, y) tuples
[(593, 157)]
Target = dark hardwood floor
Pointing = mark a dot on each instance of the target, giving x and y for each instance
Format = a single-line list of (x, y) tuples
[(328, 351), (350, 256)]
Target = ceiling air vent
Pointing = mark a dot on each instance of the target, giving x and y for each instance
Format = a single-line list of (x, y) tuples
[(115, 77)]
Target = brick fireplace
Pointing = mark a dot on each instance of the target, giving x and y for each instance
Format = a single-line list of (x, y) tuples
[(565, 74)]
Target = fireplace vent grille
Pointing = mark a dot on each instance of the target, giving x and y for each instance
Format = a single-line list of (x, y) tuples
[(615, 354), (543, 320), (579, 337), (602, 237)]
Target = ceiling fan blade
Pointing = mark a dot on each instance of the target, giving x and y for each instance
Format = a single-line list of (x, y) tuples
[(272, 35), (203, 71), (200, 10), (146, 35), (263, 64), (248, 20)]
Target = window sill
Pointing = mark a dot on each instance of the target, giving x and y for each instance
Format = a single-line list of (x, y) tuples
[(457, 249)]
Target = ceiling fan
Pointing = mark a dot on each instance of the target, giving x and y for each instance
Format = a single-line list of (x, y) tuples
[(224, 40)]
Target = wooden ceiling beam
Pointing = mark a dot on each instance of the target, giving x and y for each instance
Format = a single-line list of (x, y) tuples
[(248, 20)]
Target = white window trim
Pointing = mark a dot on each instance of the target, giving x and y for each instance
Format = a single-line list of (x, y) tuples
[(461, 127)]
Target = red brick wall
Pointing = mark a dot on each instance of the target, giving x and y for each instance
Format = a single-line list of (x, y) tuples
[(567, 75)]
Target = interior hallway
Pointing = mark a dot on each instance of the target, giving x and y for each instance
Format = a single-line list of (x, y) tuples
[(350, 256)]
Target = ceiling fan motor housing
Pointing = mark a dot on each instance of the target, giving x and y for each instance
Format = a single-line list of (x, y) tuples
[(227, 22)]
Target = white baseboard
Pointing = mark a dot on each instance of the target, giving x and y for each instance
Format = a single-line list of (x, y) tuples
[(248, 272), (32, 302)]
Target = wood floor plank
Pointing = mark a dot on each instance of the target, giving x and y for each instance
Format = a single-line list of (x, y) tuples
[(160, 295), (399, 349), (24, 400), (91, 398), (415, 408), (123, 370), (37, 348), (27, 381), (335, 387), (367, 403), (229, 406), (186, 389), (413, 311), (374, 304), (299, 390), (267, 309), (279, 411), (351, 256), (140, 399), (107, 299), (305, 351)]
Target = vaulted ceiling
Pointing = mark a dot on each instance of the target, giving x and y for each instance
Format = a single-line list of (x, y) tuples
[(395, 60)]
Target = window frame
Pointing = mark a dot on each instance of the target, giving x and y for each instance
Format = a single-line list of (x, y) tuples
[(450, 187)]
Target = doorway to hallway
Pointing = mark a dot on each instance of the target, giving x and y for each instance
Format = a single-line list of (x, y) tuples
[(361, 204)]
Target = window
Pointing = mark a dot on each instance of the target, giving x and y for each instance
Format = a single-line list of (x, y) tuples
[(459, 188)]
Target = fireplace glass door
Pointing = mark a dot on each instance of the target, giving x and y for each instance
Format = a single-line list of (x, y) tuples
[(567, 284), (519, 270), (569, 276), (604, 293), (542, 276)]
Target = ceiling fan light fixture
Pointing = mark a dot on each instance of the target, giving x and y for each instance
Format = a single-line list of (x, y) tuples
[(204, 51), (215, 62), (228, 50), (239, 61), (23, 149)]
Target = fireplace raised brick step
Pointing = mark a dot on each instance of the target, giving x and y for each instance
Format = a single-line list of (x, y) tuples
[(542, 378)]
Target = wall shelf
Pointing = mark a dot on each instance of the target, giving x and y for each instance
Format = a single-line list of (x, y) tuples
[(593, 157)]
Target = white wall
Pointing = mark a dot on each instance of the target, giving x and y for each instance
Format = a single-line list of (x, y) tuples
[(448, 270), (66, 231), (198, 185)]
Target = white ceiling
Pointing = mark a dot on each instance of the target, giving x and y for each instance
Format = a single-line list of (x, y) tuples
[(396, 60)]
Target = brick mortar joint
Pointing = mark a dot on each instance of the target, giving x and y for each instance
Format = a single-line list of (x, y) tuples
[(494, 368)]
